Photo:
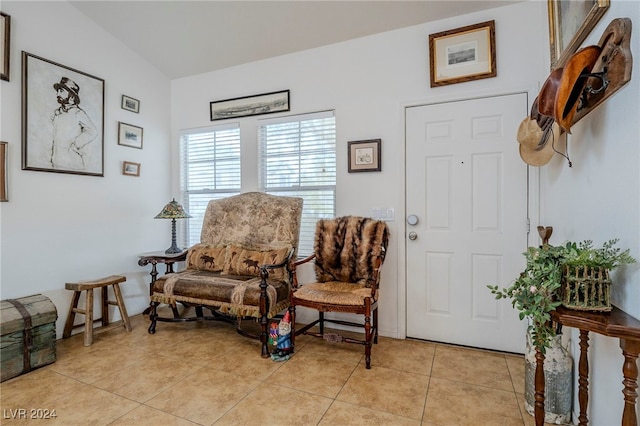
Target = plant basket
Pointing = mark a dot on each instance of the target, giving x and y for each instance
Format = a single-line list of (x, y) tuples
[(586, 288)]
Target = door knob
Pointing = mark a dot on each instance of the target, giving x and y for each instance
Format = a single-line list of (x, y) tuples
[(412, 235)]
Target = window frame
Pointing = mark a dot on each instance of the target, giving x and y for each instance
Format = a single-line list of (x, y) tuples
[(193, 226), (303, 186)]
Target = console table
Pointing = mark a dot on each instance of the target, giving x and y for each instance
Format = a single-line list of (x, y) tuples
[(616, 323)]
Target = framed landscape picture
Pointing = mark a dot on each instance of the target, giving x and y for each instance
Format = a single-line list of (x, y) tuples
[(129, 135), (267, 103), (130, 168), (130, 104), (462, 54)]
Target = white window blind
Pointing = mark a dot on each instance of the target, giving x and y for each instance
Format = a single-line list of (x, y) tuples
[(210, 169), (298, 159)]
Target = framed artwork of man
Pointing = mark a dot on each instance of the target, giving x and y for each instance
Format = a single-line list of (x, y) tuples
[(62, 118)]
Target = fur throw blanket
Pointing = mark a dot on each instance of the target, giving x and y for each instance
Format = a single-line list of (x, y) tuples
[(347, 247)]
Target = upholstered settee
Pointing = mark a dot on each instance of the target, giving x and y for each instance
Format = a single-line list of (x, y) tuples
[(241, 267)]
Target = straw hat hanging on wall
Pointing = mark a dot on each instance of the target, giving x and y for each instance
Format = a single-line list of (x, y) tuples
[(536, 143)]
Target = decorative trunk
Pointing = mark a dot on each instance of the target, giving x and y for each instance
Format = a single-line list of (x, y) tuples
[(27, 334)]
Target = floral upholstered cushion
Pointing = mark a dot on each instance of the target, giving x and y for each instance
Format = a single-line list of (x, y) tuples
[(252, 219), (242, 261), (207, 258)]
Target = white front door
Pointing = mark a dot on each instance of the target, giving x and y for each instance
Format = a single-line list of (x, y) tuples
[(467, 187)]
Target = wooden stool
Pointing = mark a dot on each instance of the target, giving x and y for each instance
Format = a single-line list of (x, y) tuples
[(102, 283)]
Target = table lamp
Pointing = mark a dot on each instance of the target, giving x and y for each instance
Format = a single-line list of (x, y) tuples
[(173, 211)]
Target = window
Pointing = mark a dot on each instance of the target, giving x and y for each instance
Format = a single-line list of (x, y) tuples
[(298, 158), (210, 166)]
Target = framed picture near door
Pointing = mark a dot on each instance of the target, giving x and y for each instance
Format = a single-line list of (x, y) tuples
[(364, 156), (463, 54)]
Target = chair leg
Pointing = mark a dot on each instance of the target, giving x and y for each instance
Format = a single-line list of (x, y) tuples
[(292, 314), (264, 320), (105, 305), (121, 307), (68, 327), (367, 332), (88, 317), (375, 325), (153, 316), (321, 322), (199, 311)]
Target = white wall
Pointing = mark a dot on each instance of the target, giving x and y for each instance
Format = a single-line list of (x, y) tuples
[(367, 82), (59, 228), (599, 199)]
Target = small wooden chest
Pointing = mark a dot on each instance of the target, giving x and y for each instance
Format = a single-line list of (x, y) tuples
[(27, 334)]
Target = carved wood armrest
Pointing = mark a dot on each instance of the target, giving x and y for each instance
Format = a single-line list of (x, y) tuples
[(376, 275), (294, 268), (303, 261)]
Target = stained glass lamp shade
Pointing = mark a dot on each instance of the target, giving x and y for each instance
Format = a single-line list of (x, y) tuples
[(173, 211)]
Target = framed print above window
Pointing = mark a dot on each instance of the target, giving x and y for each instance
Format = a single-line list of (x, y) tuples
[(570, 22), (463, 54), (62, 118), (129, 135), (130, 104), (364, 156), (267, 103), (5, 45)]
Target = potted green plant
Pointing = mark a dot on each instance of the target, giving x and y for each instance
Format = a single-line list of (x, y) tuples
[(575, 275), (534, 292)]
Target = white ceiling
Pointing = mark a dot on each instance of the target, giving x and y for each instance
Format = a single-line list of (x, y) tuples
[(183, 38)]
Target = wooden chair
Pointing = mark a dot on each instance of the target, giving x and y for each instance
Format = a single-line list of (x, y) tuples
[(348, 254)]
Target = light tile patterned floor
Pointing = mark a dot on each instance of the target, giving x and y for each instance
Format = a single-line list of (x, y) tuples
[(207, 374)]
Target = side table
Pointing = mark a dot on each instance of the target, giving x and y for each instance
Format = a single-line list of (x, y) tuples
[(616, 323), (154, 258)]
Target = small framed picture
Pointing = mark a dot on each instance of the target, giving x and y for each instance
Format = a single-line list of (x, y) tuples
[(130, 169), (130, 104), (5, 45), (129, 135), (364, 156)]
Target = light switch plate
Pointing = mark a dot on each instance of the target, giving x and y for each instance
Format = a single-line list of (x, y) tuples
[(387, 214)]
